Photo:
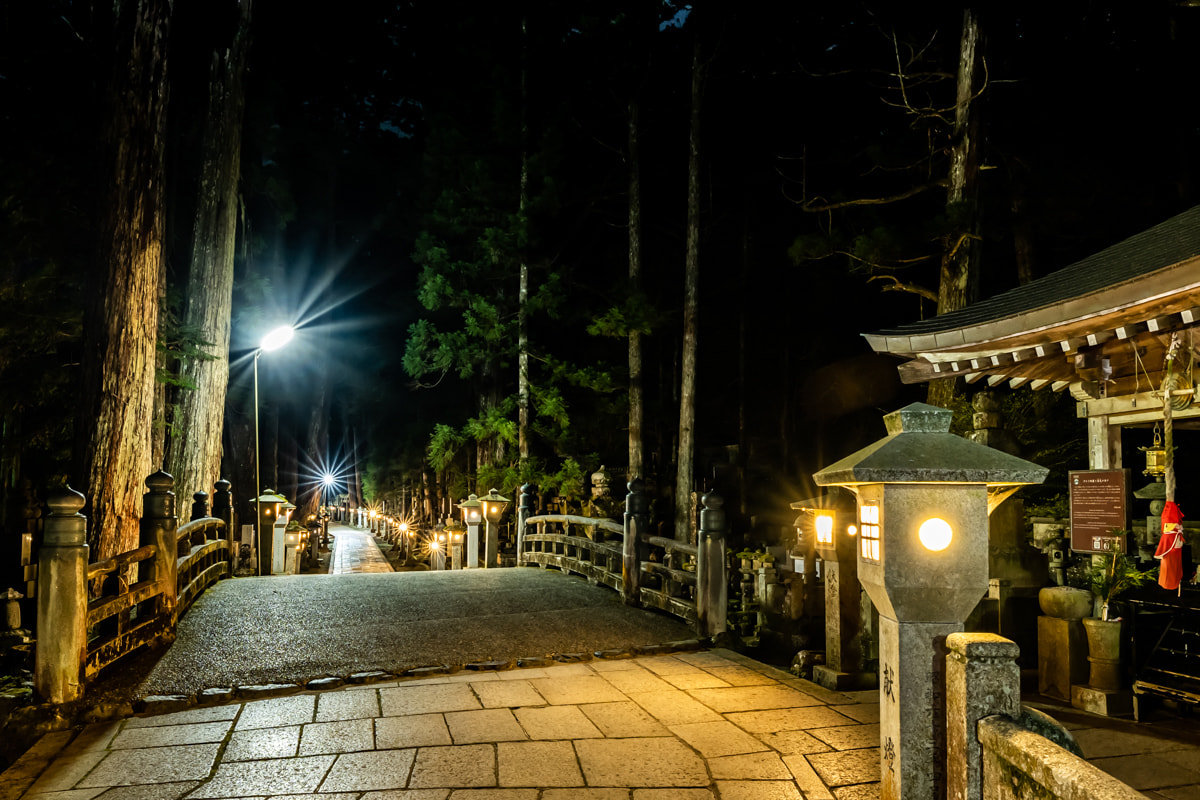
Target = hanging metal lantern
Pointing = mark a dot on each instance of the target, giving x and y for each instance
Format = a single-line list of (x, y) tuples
[(1156, 456)]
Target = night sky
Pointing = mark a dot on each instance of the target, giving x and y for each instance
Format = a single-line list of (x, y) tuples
[(370, 125)]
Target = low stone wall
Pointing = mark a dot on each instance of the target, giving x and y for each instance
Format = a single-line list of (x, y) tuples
[(1021, 765)]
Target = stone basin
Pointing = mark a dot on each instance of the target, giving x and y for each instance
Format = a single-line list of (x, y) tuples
[(1065, 602)]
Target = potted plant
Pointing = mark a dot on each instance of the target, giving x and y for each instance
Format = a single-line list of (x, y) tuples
[(1112, 574)]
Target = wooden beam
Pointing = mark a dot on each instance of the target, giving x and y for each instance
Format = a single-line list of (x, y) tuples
[(1017, 383), (996, 380), (1072, 344), (1058, 386), (1130, 330), (972, 377), (1099, 337), (1038, 384)]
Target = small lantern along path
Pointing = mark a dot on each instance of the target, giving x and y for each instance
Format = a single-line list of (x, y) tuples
[(924, 496)]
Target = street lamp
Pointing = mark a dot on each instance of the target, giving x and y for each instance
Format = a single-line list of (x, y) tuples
[(274, 340)]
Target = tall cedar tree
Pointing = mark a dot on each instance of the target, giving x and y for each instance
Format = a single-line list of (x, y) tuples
[(194, 455), (117, 403), (685, 460)]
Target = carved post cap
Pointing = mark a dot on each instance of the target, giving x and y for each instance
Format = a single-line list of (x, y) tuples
[(200, 497), (65, 527), (65, 502), (527, 493), (222, 486), (159, 501), (981, 646), (160, 482), (635, 501), (712, 516)]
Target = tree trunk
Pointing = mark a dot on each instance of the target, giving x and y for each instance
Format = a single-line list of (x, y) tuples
[(959, 283), (523, 290), (117, 407), (195, 448), (685, 461), (636, 411)]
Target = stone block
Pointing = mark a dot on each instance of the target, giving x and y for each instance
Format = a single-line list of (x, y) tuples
[(162, 703), (830, 678), (259, 691), (1106, 702), (1062, 656)]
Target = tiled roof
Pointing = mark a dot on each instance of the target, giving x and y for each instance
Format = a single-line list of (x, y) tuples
[(1168, 243)]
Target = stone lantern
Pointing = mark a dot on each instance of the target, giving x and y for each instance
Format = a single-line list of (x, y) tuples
[(830, 523), (268, 504), (493, 508), (924, 496), (472, 514)]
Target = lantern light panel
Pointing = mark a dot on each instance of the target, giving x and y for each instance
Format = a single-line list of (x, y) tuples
[(868, 518), (824, 525)]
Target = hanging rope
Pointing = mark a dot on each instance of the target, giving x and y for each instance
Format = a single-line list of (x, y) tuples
[(1168, 421)]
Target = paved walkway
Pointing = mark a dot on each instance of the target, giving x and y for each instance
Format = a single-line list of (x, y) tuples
[(691, 726), (296, 628), (355, 551), (687, 726)]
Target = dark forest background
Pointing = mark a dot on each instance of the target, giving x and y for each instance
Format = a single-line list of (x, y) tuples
[(380, 209)]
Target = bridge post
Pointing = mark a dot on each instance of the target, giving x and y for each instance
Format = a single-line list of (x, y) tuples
[(712, 586), (525, 510), (199, 511), (159, 524), (62, 598), (631, 546), (222, 509)]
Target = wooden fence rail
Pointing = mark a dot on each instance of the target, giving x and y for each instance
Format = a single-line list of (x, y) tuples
[(687, 580), (92, 615)]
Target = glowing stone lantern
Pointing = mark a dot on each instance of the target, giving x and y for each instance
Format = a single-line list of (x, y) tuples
[(830, 522), (472, 514), (924, 495), (493, 509)]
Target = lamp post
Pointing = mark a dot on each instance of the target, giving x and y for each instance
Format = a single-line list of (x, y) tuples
[(274, 340)]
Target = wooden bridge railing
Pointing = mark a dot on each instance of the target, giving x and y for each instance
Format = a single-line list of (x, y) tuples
[(687, 580), (91, 615)]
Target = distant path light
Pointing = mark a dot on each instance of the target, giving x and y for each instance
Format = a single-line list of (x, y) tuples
[(935, 533)]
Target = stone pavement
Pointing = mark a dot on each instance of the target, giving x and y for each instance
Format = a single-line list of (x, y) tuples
[(355, 551), (689, 726)]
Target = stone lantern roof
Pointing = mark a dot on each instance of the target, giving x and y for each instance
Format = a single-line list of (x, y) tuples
[(919, 448)]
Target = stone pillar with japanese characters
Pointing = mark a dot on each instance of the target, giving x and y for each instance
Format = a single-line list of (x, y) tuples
[(923, 499)]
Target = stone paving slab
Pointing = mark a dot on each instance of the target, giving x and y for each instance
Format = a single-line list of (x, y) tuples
[(565, 731)]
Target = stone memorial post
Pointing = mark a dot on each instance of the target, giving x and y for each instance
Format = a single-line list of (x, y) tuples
[(924, 496)]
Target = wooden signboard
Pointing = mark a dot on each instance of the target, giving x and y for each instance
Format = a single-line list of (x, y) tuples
[(1099, 503)]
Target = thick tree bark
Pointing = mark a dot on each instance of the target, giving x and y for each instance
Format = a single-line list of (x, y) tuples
[(523, 290), (959, 283), (117, 405), (195, 448), (685, 459), (636, 411)]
